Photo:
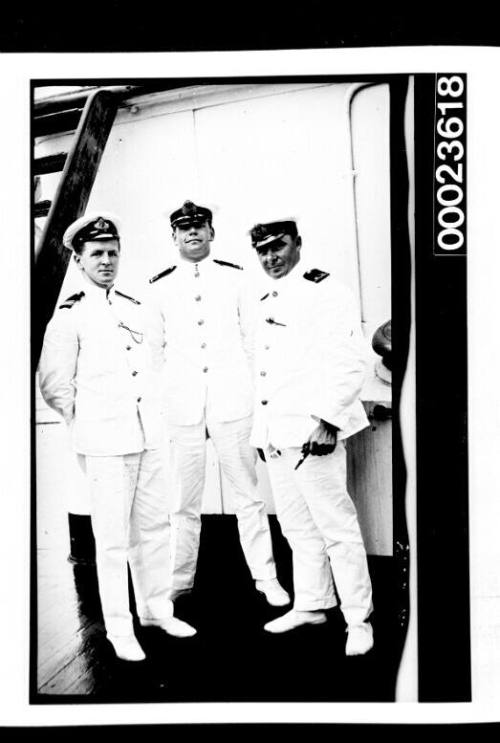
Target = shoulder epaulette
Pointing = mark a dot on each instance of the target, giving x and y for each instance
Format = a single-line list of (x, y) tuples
[(316, 275), (162, 274), (126, 296), (227, 263), (70, 301)]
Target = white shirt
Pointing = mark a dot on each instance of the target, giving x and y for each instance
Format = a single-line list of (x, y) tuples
[(96, 372), (208, 342), (310, 360)]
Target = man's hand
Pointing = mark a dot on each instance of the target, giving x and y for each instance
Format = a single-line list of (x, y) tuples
[(323, 439)]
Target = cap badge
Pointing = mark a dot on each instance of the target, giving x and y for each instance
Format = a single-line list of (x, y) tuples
[(101, 224)]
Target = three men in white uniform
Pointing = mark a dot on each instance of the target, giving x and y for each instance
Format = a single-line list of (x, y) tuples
[(207, 381), (99, 369), (309, 369)]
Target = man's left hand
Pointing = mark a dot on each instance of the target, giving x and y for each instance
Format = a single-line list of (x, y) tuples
[(323, 439)]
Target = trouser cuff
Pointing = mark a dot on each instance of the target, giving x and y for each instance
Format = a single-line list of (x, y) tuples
[(121, 627), (264, 574), (318, 605)]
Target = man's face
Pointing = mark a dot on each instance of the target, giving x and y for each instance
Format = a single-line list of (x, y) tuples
[(278, 258), (194, 240), (99, 261)]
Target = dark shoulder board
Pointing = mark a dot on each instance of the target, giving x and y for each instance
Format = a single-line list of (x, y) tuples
[(162, 274), (316, 275), (70, 301), (226, 263), (126, 296)]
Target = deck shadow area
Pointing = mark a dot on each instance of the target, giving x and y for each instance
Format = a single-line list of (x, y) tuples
[(231, 659)]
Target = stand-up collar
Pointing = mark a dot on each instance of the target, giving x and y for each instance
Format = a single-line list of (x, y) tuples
[(195, 269), (292, 278), (97, 293)]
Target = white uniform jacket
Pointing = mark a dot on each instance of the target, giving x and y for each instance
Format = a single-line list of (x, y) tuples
[(95, 371), (310, 360), (207, 340)]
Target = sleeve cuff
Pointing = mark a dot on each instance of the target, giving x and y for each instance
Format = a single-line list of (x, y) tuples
[(340, 421)]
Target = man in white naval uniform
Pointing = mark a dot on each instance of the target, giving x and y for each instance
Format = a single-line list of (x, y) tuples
[(208, 388), (309, 369), (99, 370)]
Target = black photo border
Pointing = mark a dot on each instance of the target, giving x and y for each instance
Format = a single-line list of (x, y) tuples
[(442, 533)]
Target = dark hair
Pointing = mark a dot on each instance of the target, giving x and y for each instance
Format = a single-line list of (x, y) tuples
[(77, 245)]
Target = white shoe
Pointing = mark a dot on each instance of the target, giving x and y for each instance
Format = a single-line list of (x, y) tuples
[(170, 625), (359, 639), (293, 619), (126, 647), (274, 593)]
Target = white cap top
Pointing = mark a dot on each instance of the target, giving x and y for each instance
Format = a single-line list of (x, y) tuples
[(93, 226)]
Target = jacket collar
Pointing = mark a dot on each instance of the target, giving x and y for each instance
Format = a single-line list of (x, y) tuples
[(95, 292)]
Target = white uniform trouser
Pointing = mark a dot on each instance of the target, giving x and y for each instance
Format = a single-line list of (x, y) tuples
[(319, 520), (130, 520), (237, 461)]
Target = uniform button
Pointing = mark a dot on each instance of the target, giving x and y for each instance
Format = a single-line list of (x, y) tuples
[(203, 345), (205, 368), (134, 373), (274, 293), (198, 298), (264, 402), (139, 399), (266, 348), (200, 322), (128, 348), (263, 373)]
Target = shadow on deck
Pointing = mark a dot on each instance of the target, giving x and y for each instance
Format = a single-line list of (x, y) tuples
[(230, 659)]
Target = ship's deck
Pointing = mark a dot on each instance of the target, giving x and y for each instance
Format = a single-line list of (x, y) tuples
[(230, 659)]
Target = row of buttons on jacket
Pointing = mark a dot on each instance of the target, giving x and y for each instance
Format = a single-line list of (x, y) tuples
[(201, 321), (128, 348), (263, 373)]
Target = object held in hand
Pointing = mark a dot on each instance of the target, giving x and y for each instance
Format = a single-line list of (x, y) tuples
[(306, 450)]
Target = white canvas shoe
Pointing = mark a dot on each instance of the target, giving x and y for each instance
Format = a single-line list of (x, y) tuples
[(126, 647), (274, 593), (170, 625), (293, 619), (359, 639)]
